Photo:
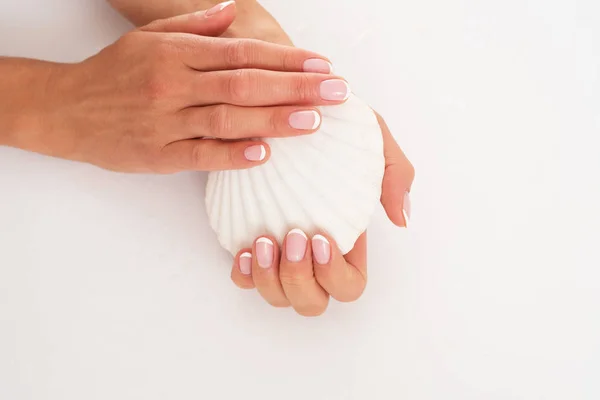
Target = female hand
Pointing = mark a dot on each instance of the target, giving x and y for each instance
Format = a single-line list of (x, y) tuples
[(148, 102), (305, 272)]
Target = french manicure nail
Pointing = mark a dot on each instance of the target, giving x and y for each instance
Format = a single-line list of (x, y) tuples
[(218, 8), (264, 252), (255, 153), (295, 245), (406, 208), (245, 263), (335, 90), (305, 120), (321, 249), (317, 65)]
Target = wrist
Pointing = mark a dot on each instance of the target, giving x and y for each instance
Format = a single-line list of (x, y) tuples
[(30, 119)]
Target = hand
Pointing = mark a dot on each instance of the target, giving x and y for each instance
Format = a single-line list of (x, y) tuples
[(148, 102), (305, 273)]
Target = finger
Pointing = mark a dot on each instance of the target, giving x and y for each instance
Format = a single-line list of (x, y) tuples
[(230, 54), (241, 272), (254, 88), (212, 22), (232, 122), (344, 279), (265, 272), (297, 277), (397, 180), (212, 155)]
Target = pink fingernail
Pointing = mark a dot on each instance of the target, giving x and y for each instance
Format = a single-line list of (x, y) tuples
[(321, 249), (295, 245), (264, 252), (255, 153), (245, 263), (406, 208), (317, 65), (335, 90), (218, 8), (305, 120)]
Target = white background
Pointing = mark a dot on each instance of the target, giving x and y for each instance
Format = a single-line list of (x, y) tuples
[(113, 286)]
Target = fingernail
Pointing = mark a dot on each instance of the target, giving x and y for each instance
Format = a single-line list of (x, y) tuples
[(295, 245), (264, 252), (218, 8), (246, 263), (305, 120), (406, 208), (321, 249), (317, 65), (335, 90), (255, 153)]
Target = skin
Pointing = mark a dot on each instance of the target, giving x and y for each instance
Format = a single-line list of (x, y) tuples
[(304, 284), (147, 102)]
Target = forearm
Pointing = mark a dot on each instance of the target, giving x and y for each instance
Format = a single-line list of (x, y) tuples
[(24, 104), (252, 20), (142, 12)]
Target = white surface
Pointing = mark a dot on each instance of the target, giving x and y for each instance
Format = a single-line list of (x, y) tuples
[(114, 287)]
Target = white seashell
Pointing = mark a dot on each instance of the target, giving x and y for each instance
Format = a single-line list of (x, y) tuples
[(329, 181)]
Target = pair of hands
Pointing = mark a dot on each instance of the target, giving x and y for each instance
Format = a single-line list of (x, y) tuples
[(305, 272), (184, 93)]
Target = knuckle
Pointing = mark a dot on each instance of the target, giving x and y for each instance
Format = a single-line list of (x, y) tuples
[(274, 122), (302, 88), (240, 53), (199, 154), (292, 280), (163, 51), (219, 122), (239, 85), (289, 59)]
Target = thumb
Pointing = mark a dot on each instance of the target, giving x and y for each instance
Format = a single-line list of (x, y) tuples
[(397, 179), (211, 22)]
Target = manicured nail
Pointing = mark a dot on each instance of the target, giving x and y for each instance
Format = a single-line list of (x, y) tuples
[(264, 252), (305, 120), (317, 65), (245, 263), (218, 8), (335, 90), (321, 249), (406, 208), (255, 153), (295, 245)]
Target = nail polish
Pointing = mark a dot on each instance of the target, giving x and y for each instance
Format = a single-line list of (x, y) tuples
[(218, 8), (305, 120), (295, 245), (321, 249), (245, 263), (264, 252), (255, 153), (335, 90), (317, 65)]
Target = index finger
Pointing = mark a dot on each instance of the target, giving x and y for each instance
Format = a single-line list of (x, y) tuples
[(217, 54)]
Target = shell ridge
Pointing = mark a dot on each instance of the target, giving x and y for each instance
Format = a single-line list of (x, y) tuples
[(316, 189)]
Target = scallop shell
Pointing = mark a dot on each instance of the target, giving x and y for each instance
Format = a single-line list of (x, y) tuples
[(329, 181)]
